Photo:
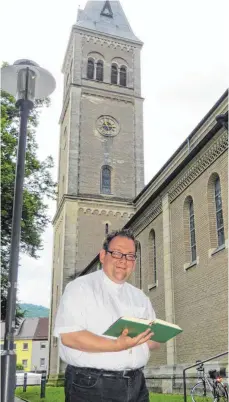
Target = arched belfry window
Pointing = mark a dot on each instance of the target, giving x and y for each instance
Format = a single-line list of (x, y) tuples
[(99, 70), (106, 180), (123, 76), (114, 74), (90, 69), (219, 213)]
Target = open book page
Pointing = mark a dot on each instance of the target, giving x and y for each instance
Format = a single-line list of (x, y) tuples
[(162, 322), (150, 322), (134, 319)]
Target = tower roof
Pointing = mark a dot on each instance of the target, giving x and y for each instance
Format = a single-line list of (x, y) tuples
[(106, 17)]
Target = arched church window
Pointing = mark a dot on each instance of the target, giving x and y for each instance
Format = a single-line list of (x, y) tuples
[(152, 277), (189, 231), (106, 180), (138, 269), (99, 70), (114, 74), (90, 69), (192, 231), (219, 213), (123, 76)]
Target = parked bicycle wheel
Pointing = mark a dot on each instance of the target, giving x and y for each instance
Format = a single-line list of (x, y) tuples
[(222, 394), (202, 393)]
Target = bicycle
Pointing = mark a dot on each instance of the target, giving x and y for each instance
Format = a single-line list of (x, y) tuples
[(209, 388)]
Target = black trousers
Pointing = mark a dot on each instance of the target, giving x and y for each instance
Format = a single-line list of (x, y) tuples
[(93, 385)]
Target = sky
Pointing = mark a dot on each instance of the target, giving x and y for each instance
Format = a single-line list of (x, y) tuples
[(185, 70)]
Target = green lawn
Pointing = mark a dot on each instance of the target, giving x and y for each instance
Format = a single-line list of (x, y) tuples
[(32, 394), (56, 394)]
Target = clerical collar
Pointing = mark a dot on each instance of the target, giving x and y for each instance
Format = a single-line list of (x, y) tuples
[(112, 284)]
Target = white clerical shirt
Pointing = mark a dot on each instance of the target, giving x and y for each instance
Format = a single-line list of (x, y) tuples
[(93, 302)]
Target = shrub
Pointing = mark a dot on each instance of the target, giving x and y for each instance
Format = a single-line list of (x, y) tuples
[(19, 366)]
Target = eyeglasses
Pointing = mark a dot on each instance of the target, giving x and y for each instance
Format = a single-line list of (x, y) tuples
[(118, 255)]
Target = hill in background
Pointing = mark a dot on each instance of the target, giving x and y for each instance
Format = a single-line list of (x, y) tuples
[(33, 310)]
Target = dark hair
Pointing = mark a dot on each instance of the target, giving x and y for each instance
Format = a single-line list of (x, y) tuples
[(122, 233)]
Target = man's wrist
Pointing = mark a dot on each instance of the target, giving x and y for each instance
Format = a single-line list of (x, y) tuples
[(116, 345)]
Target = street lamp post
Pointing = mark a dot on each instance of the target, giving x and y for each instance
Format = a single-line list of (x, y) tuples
[(27, 81)]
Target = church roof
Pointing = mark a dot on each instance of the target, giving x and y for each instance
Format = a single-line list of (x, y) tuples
[(106, 17)]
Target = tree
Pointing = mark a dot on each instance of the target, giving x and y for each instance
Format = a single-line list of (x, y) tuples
[(38, 187)]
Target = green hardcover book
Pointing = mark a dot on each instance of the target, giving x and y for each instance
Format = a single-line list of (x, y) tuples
[(163, 331)]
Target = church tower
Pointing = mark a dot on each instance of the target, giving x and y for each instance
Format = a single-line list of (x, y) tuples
[(101, 143)]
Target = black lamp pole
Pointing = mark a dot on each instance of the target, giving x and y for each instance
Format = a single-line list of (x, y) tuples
[(8, 358), (28, 81)]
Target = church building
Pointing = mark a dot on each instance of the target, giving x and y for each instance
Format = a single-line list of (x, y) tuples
[(180, 218)]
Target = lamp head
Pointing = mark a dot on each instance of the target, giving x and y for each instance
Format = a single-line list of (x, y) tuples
[(25, 79)]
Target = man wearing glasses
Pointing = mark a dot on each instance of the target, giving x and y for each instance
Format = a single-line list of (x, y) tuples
[(100, 368)]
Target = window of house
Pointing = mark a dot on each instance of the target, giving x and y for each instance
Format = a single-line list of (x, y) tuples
[(42, 345), (114, 74), (106, 180), (25, 346), (106, 228), (219, 213), (42, 362), (25, 363), (123, 76), (99, 70), (192, 231), (90, 69)]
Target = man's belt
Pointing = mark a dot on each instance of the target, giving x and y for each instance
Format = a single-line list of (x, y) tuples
[(108, 373)]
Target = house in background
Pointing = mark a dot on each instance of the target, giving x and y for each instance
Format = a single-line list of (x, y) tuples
[(40, 346), (31, 343), (24, 340)]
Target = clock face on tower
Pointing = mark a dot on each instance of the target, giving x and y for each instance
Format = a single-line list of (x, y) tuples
[(107, 125)]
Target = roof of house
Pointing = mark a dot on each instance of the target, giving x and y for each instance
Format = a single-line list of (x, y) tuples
[(29, 328), (106, 17), (42, 328)]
